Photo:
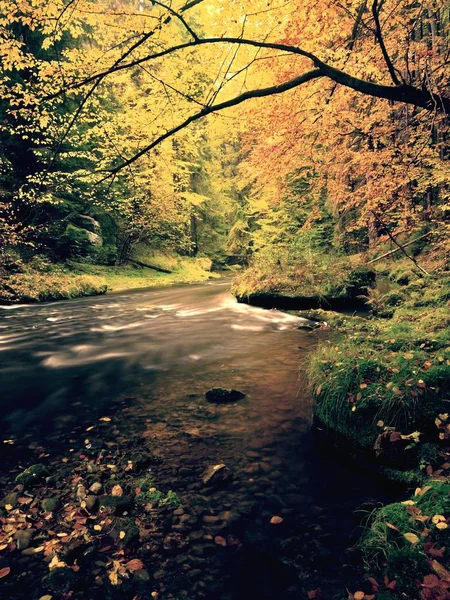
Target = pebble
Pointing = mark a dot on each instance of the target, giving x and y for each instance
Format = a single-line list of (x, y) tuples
[(96, 487), (210, 519)]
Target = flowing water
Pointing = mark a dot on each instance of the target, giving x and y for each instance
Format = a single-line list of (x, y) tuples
[(153, 354)]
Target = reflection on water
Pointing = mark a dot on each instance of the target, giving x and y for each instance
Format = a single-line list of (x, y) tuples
[(72, 356)]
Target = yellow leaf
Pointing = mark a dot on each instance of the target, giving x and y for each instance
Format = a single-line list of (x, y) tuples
[(107, 419), (411, 537), (441, 525), (97, 527), (122, 534), (363, 386), (408, 356), (359, 595), (437, 518), (8, 506)]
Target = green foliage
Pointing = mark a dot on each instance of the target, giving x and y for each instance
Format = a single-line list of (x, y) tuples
[(148, 493)]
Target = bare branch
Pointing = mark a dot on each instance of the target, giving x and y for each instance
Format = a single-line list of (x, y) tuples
[(178, 16), (261, 93), (379, 35)]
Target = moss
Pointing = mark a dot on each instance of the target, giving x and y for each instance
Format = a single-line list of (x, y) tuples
[(124, 532)]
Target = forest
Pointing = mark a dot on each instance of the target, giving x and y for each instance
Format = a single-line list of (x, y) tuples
[(225, 299)]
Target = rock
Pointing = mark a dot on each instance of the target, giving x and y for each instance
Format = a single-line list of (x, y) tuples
[(81, 492), (221, 395), (49, 504), (9, 500), (91, 502), (23, 538), (174, 542), (211, 519), (216, 475), (142, 576), (86, 222), (118, 504), (33, 475), (96, 487), (60, 580), (124, 532)]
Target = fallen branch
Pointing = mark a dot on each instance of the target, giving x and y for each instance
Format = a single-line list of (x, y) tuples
[(142, 264), (398, 249)]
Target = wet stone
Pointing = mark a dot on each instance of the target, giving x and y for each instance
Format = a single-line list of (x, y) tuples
[(49, 504), (23, 538), (95, 487)]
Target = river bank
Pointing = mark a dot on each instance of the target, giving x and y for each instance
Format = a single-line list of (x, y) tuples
[(42, 281), (381, 397)]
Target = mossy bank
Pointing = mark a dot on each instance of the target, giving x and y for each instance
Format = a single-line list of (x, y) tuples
[(39, 280)]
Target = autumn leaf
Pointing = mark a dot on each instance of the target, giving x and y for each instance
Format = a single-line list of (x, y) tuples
[(4, 572), (134, 565), (117, 491), (411, 537)]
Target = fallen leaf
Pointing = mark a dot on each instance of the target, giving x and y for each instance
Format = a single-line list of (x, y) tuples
[(122, 534), (97, 527), (319, 389), (437, 519), (220, 541), (359, 595), (276, 520), (4, 572), (117, 491), (440, 570), (134, 565), (46, 597), (391, 526), (107, 419), (441, 525), (411, 537)]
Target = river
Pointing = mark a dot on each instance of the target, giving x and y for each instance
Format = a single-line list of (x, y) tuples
[(150, 356)]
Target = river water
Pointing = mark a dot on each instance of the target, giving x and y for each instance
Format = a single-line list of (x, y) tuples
[(152, 355)]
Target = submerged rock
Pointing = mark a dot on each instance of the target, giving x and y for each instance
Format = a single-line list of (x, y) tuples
[(124, 532), (220, 395), (49, 504), (216, 475), (60, 580), (32, 475)]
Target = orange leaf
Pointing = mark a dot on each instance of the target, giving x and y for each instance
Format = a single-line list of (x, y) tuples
[(4, 572)]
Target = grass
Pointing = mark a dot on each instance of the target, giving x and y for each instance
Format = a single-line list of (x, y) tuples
[(406, 542), (389, 375)]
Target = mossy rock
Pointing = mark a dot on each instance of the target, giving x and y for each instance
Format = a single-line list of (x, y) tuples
[(50, 504), (60, 580), (118, 504), (32, 476), (124, 532)]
